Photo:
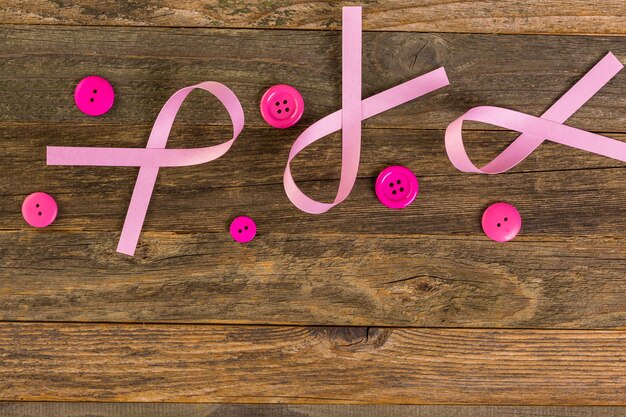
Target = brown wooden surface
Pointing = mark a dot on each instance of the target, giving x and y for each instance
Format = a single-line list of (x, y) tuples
[(309, 269), (103, 362), (489, 16), (52, 409), (446, 315)]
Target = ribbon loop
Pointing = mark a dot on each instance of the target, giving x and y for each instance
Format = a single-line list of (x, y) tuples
[(534, 130), (353, 111), (154, 156)]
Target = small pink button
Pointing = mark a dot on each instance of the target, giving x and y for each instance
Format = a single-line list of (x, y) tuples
[(282, 106), (39, 209), (243, 229), (396, 187), (94, 95), (501, 222)]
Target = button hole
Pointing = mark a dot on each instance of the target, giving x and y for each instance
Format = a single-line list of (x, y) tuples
[(277, 103), (391, 184), (95, 91), (498, 224), (39, 213), (91, 99), (286, 108), (401, 189), (393, 192), (506, 219), (284, 101), (246, 228), (398, 182), (239, 230), (37, 205), (279, 111)]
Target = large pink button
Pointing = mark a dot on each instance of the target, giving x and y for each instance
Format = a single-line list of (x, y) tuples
[(501, 222), (282, 106), (39, 209), (243, 229), (94, 95), (396, 187)]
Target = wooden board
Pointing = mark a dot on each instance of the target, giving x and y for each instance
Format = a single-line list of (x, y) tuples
[(490, 16), (99, 362), (42, 65), (443, 315), (360, 264), (56, 409)]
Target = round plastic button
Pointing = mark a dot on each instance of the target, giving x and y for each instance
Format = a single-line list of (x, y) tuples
[(282, 106), (396, 187), (501, 222), (94, 95), (39, 209), (243, 229)]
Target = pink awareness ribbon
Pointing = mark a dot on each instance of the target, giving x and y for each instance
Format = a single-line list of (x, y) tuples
[(153, 156), (534, 130), (353, 111)]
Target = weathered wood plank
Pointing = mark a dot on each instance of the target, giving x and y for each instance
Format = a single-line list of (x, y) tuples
[(491, 16), (561, 191), (57, 409), (40, 67), (306, 269), (310, 365), (316, 279)]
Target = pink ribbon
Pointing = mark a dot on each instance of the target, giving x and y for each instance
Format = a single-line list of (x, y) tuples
[(534, 130), (348, 119), (154, 156)]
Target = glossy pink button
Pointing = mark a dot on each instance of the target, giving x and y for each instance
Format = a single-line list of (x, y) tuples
[(94, 95), (396, 187), (243, 229), (39, 209), (282, 106), (501, 222)]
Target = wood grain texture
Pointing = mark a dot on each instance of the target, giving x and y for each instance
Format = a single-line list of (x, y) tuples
[(490, 16), (94, 362), (41, 66), (57, 409), (326, 279), (360, 264)]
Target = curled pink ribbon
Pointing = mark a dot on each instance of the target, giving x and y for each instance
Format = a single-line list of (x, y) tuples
[(153, 156), (348, 119), (534, 130)]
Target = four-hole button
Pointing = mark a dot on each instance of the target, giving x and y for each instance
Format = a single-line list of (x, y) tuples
[(282, 106), (396, 187)]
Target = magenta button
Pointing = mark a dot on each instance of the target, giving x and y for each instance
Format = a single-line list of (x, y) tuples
[(282, 106), (501, 222), (39, 209), (94, 95), (243, 229), (396, 187)]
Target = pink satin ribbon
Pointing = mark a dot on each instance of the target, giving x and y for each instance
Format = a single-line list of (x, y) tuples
[(348, 119), (154, 156), (534, 130)]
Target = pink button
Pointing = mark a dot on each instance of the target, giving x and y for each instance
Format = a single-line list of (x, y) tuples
[(396, 187), (39, 209), (282, 106), (94, 95), (501, 222), (243, 229)]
